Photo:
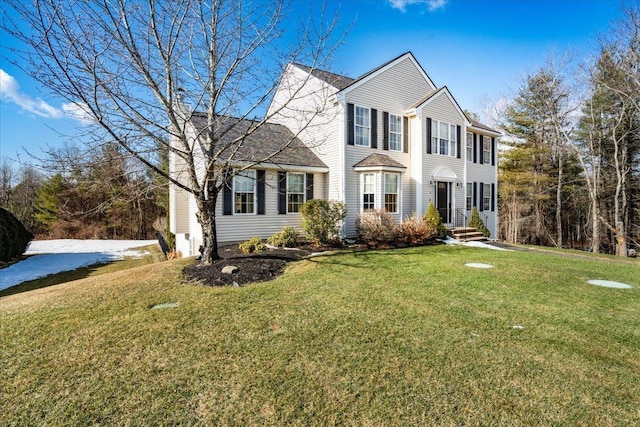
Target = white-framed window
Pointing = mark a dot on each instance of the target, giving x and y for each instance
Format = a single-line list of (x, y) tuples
[(486, 197), (244, 192), (395, 132), (391, 192), (443, 138), (469, 147), (469, 196), (362, 126), (486, 150), (295, 192), (368, 185)]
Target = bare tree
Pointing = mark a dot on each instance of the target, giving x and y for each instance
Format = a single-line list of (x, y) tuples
[(139, 71)]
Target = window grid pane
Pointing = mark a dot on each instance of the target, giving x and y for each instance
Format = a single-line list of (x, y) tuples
[(486, 150), (469, 196), (469, 146), (486, 197), (244, 187), (362, 126), (368, 190), (395, 132), (391, 193)]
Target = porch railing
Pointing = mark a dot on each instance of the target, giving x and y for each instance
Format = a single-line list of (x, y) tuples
[(460, 219)]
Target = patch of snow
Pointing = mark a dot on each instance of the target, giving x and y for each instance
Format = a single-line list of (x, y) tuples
[(519, 327), (609, 284), (165, 305), (450, 241), (478, 265), (55, 256)]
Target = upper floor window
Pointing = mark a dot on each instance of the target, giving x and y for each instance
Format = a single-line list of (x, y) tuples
[(486, 150), (443, 138), (469, 147), (368, 186), (295, 191), (391, 188), (395, 132), (244, 189), (362, 126)]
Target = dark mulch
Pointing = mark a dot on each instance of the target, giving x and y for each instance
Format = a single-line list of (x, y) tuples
[(252, 268)]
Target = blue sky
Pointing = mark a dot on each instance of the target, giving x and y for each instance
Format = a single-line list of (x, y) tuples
[(480, 50)]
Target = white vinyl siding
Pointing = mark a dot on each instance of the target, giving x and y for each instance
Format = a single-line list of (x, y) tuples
[(395, 132), (362, 123)]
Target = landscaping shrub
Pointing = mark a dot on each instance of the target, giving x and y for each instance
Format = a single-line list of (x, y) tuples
[(253, 245), (286, 238), (414, 231), (376, 228), (14, 238), (477, 223), (322, 220), (432, 218)]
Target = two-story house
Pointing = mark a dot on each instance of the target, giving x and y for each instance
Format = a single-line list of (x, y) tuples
[(389, 139)]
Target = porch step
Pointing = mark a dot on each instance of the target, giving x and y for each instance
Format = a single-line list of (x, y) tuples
[(467, 234)]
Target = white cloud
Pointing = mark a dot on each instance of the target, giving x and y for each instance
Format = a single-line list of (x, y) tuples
[(10, 91), (78, 111), (401, 5)]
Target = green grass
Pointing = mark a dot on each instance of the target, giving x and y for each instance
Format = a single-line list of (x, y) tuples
[(401, 337)]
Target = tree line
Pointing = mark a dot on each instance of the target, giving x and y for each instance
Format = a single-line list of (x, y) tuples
[(569, 174), (100, 194)]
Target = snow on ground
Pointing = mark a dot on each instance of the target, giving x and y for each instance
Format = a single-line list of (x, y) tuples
[(450, 241), (55, 256)]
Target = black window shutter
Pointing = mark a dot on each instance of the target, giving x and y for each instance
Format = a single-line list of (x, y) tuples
[(227, 193), (475, 195), (260, 174), (405, 134), (385, 130), (309, 186), (374, 128), (481, 201), (481, 149), (428, 135), (350, 124), (493, 152), (282, 192), (459, 133), (493, 197), (475, 148)]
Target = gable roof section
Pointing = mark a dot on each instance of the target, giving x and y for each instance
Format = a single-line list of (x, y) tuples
[(443, 90), (371, 74), (378, 161), (336, 80), (476, 124), (260, 143)]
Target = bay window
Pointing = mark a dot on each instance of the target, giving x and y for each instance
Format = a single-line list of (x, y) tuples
[(391, 188)]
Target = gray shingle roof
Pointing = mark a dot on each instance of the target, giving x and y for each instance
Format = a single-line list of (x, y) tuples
[(477, 124), (255, 143), (379, 160), (336, 80)]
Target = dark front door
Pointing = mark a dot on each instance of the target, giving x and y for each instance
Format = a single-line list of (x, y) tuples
[(443, 201)]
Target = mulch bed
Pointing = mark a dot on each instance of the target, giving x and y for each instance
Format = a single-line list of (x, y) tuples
[(258, 267)]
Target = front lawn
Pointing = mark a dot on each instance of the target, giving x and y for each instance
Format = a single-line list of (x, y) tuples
[(400, 337)]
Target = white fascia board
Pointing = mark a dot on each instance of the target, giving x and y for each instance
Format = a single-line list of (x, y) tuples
[(279, 166), (379, 168), (484, 131)]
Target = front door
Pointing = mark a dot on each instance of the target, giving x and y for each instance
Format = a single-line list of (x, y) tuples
[(443, 201)]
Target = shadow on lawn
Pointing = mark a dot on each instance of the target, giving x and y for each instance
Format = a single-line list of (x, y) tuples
[(51, 280)]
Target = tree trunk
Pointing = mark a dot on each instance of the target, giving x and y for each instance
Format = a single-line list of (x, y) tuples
[(207, 219), (559, 203), (595, 224)]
